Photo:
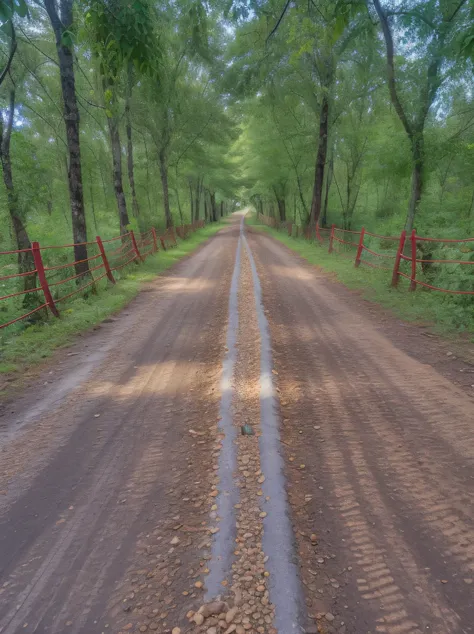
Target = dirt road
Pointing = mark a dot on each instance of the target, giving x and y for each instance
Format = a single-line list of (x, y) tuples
[(129, 496)]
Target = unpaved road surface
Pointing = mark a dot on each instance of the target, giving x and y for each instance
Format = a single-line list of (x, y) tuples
[(129, 496)]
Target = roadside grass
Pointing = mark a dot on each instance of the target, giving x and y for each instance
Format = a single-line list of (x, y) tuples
[(34, 343), (445, 314)]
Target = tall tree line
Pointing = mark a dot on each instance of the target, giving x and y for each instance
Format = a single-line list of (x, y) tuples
[(111, 118), (357, 111)]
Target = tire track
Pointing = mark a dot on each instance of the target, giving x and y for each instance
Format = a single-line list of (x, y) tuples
[(404, 522)]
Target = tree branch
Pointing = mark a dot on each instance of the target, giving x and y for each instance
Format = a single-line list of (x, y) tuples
[(13, 47), (275, 28), (392, 85), (414, 14)]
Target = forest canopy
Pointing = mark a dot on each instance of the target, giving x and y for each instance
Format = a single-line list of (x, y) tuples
[(119, 114)]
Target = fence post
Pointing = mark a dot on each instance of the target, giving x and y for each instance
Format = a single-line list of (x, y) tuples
[(360, 247), (331, 238), (104, 259), (135, 246), (398, 257), (155, 244), (38, 260), (163, 246), (413, 260)]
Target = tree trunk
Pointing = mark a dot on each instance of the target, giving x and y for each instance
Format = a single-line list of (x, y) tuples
[(281, 205), (191, 200), (61, 27), (320, 161), (197, 200), (25, 260), (213, 206), (164, 184), (130, 164), (222, 208), (206, 218), (416, 180), (117, 171), (324, 219)]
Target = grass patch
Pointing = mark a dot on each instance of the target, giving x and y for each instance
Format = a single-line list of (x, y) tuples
[(447, 314), (38, 342)]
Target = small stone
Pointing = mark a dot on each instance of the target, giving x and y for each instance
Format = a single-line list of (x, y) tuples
[(214, 493), (231, 629), (314, 538), (444, 581), (260, 588), (198, 584), (468, 581), (176, 630), (230, 616), (198, 619), (261, 479), (174, 541), (240, 629), (329, 617), (143, 628), (190, 614), (211, 630)]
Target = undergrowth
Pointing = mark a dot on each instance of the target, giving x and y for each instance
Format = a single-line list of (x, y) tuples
[(446, 314), (36, 342)]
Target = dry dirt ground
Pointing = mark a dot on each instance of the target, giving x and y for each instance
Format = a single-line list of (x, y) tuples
[(117, 469)]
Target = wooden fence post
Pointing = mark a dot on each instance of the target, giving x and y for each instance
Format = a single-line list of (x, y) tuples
[(135, 246), (331, 238), (38, 260), (105, 260), (162, 240), (398, 257), (155, 244), (360, 247), (413, 261)]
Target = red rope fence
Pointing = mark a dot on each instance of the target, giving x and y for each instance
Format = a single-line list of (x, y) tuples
[(387, 253), (48, 282)]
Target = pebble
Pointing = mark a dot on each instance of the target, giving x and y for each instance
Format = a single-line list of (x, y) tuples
[(329, 617), (198, 619), (198, 584), (231, 614), (176, 630), (212, 630), (174, 541)]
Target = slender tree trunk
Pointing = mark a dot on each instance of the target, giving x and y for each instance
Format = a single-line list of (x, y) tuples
[(324, 219), (164, 184), (197, 202), (212, 197), (147, 174), (130, 164), (416, 179), (222, 208), (320, 161), (62, 24), (205, 207), (117, 172), (191, 200), (25, 260)]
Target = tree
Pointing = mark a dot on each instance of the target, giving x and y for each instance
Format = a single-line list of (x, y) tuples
[(62, 23), (434, 25)]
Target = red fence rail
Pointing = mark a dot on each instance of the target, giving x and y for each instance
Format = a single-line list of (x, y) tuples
[(55, 276), (387, 253)]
